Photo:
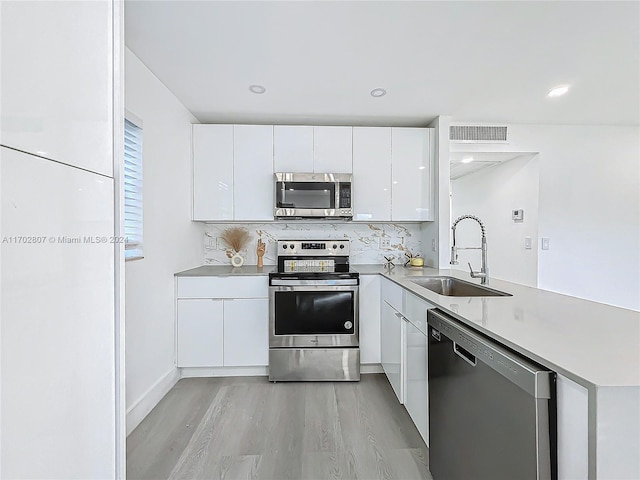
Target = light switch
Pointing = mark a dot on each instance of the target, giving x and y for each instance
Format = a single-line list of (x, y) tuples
[(433, 244), (527, 243), (545, 243)]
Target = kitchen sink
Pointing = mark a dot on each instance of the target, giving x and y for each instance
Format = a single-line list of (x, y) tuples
[(454, 287)]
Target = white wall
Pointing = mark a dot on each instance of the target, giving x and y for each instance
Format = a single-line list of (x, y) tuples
[(439, 229), (58, 404), (491, 194), (171, 241), (589, 208)]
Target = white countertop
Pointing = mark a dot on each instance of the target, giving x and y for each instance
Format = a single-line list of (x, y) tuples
[(226, 271), (591, 343)]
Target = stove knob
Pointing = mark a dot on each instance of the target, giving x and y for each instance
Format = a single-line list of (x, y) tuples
[(348, 325), (291, 246), (335, 246), (342, 246), (284, 246)]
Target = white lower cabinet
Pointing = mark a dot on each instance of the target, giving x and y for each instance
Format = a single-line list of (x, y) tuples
[(246, 332), (416, 396), (223, 331), (391, 335), (403, 344), (200, 327), (369, 318), (573, 429)]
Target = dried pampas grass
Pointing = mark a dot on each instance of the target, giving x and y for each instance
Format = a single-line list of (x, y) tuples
[(235, 237)]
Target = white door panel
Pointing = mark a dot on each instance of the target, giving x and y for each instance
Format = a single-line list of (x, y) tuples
[(253, 172), (200, 332), (372, 173), (212, 172), (411, 165), (332, 150), (369, 318), (57, 86), (246, 332), (57, 347), (416, 379), (293, 148)]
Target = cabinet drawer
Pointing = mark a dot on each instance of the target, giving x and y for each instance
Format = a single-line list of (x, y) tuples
[(223, 287), (392, 294), (415, 310)]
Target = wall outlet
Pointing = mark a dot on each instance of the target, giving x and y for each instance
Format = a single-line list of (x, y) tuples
[(433, 244), (385, 242)]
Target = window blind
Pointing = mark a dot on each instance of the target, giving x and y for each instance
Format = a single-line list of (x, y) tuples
[(133, 190)]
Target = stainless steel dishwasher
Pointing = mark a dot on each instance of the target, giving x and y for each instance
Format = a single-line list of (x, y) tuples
[(491, 411)]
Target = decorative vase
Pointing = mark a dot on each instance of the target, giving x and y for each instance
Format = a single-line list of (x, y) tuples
[(237, 260)]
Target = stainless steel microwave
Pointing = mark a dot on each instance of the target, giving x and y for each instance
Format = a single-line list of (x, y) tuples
[(313, 195)]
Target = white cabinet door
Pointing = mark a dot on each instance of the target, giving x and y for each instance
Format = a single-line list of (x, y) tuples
[(573, 429), (57, 87), (372, 173), (253, 172), (332, 149), (411, 175), (212, 172), (416, 379), (369, 305), (200, 329), (57, 339), (391, 327), (293, 148), (246, 332)]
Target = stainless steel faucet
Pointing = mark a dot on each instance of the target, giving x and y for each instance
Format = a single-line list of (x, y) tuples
[(483, 274)]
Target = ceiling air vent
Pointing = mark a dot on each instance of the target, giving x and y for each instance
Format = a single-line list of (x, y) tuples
[(477, 134)]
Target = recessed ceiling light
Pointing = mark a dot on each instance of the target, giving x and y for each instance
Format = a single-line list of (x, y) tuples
[(558, 91), (421, 167), (467, 160), (259, 89), (378, 92)]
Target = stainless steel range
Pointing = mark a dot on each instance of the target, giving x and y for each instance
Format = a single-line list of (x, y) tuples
[(313, 313)]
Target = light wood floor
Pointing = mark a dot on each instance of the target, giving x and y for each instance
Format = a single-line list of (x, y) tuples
[(248, 428)]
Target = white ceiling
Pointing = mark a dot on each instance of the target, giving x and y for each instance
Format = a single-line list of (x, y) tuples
[(477, 61)]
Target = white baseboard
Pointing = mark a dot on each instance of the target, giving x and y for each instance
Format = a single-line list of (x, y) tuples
[(371, 368), (194, 372), (149, 399)]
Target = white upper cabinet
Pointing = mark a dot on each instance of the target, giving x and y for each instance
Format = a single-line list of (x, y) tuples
[(233, 168), (332, 149), (57, 87), (411, 174), (372, 173), (292, 148), (213, 172), (253, 172)]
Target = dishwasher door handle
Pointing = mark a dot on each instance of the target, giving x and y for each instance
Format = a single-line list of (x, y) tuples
[(464, 354)]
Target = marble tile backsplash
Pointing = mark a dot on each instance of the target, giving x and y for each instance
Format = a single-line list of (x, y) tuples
[(365, 240)]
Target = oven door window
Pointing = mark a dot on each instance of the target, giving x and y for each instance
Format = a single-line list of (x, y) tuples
[(303, 195), (314, 313)]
